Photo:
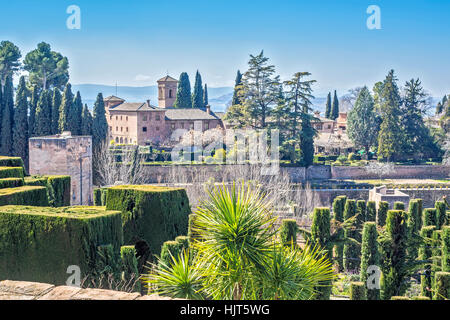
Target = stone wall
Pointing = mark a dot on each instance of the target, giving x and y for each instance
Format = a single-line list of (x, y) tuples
[(22, 290), (400, 172)]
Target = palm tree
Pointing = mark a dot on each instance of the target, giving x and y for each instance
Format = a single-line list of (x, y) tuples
[(238, 254)]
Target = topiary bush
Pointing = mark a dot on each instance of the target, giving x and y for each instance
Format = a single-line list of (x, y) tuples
[(58, 188), (100, 196), (442, 286), (129, 266), (351, 251), (425, 253), (11, 162), (288, 232), (383, 208), (149, 213), (11, 183), (429, 217), (357, 291), (441, 215), (39, 244), (338, 214), (25, 195), (173, 248), (370, 256), (446, 249), (399, 206), (371, 213), (11, 172)]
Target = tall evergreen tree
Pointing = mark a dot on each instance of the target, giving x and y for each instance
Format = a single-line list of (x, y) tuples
[(33, 105), (43, 115), (76, 114), (9, 60), (7, 118), (390, 138), (328, 107), (363, 122), (1, 104), (238, 82), (56, 105), (335, 108), (65, 110), (86, 123), (197, 96), (183, 99), (20, 125), (205, 96), (99, 124)]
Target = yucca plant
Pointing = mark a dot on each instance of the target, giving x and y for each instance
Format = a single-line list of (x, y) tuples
[(238, 255)]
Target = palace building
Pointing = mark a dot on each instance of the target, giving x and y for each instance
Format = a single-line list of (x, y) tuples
[(142, 123)]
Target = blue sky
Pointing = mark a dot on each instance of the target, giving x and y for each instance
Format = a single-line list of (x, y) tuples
[(136, 42)]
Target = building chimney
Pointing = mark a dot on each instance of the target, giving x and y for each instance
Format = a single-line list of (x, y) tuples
[(208, 109), (317, 113), (148, 103)]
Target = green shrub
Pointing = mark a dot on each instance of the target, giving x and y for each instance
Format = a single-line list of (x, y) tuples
[(371, 213), (357, 291), (383, 208), (129, 265), (11, 183), (352, 156), (288, 232), (369, 256), (429, 217), (58, 188), (192, 235), (351, 251), (173, 248), (399, 298), (425, 253), (11, 162), (361, 211), (25, 195), (399, 205), (420, 298), (38, 244), (320, 235), (100, 196), (442, 286), (35, 181), (415, 216), (437, 250), (338, 213), (446, 249), (151, 214), (11, 172), (441, 216)]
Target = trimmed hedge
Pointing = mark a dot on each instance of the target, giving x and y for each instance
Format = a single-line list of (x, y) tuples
[(369, 256), (129, 265), (446, 249), (351, 251), (25, 195), (425, 253), (38, 244), (338, 214), (11, 183), (320, 235), (441, 215), (429, 217), (288, 232), (100, 196), (371, 213), (149, 213), (442, 286), (173, 248), (420, 298), (11, 162), (58, 188), (383, 208), (11, 172), (357, 291), (399, 298), (398, 205)]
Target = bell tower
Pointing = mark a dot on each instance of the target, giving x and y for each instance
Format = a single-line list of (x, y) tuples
[(167, 91)]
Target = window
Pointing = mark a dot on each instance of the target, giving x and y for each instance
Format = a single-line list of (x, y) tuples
[(149, 116), (157, 128), (170, 93), (172, 126), (127, 129), (144, 129), (110, 128), (117, 129), (121, 140), (329, 126), (117, 117), (110, 117), (319, 127), (144, 118), (126, 140), (120, 118), (126, 118), (157, 117), (182, 125), (117, 140), (206, 125), (191, 125)]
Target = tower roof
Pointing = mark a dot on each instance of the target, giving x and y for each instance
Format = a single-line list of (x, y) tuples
[(167, 79)]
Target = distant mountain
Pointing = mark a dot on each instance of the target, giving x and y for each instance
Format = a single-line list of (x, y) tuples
[(217, 96)]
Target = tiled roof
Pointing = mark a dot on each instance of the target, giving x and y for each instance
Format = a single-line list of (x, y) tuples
[(167, 78), (134, 106), (189, 114), (113, 98)]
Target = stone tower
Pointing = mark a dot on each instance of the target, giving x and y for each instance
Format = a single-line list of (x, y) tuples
[(167, 91)]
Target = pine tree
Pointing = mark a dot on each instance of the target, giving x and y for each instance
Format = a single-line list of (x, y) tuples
[(183, 99), (56, 105), (7, 118), (33, 106), (43, 115), (390, 138), (76, 114), (86, 124), (335, 109), (205, 96), (99, 124), (238, 82), (65, 109), (197, 96), (20, 125), (328, 107)]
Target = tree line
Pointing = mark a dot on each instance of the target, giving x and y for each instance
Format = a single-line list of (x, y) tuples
[(43, 102), (186, 99)]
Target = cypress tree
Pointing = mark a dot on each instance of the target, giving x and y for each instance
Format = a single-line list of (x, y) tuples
[(351, 253), (288, 232), (183, 99), (338, 212), (56, 105), (99, 124), (371, 213), (236, 100), (86, 123), (335, 109), (414, 226), (383, 208), (445, 249), (205, 96), (77, 112), (7, 118), (441, 215), (369, 256), (43, 115), (197, 96), (1, 104), (20, 127), (361, 211), (328, 106), (442, 286), (429, 217), (65, 109), (32, 115), (425, 253)]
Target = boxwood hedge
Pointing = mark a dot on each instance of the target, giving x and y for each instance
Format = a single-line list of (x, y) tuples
[(11, 161), (11, 183), (25, 195), (39, 244), (58, 188), (149, 213), (11, 172)]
